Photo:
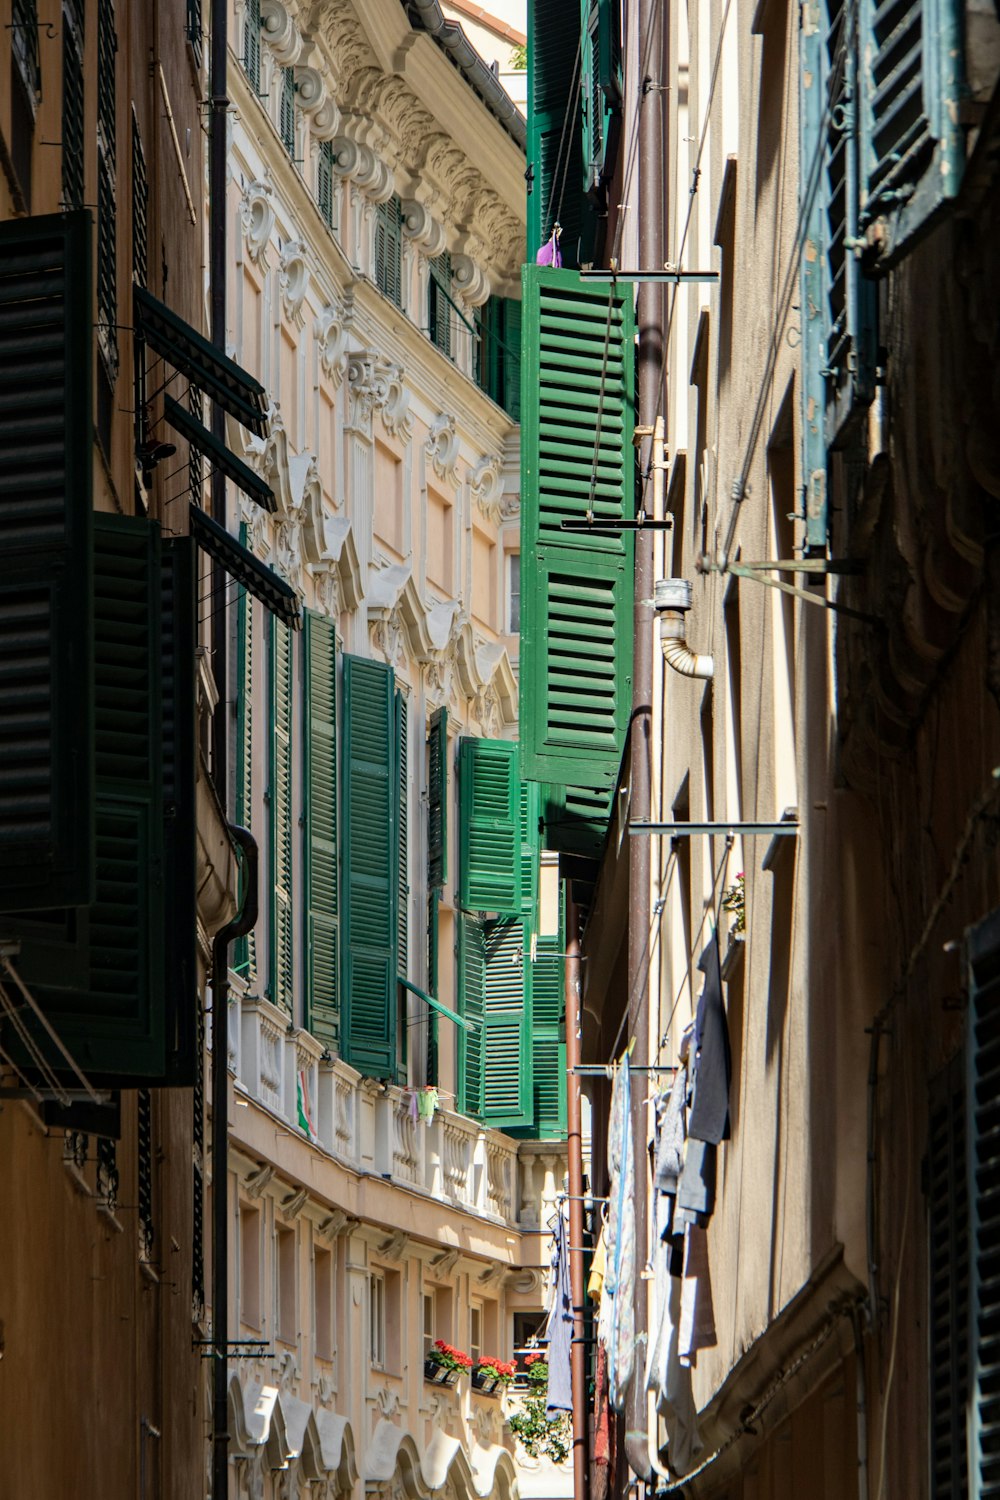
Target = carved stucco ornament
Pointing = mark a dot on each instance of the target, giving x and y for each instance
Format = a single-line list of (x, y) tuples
[(331, 329), (293, 279), (442, 447), (487, 485), (257, 218)]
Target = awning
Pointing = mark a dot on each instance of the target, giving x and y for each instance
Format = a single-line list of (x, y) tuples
[(220, 377), (218, 455), (258, 579), (436, 1005)]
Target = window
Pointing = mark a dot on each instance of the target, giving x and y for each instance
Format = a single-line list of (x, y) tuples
[(280, 792), (25, 90), (428, 1323), (72, 105), (324, 181), (323, 1304), (287, 111), (285, 1310), (439, 303), (513, 593), (249, 1231), (388, 250), (193, 29), (251, 43), (376, 1337), (107, 245), (476, 1331), (982, 1128), (498, 353), (528, 1330)]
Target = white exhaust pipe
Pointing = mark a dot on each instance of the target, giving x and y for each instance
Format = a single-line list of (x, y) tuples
[(672, 600)]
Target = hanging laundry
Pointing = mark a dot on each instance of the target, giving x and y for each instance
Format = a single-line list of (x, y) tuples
[(600, 1462), (696, 1187), (669, 1155), (427, 1103), (595, 1281), (676, 1401), (709, 1116), (550, 253), (619, 1280), (697, 1325), (559, 1330)]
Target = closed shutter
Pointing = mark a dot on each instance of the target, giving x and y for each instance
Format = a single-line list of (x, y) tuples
[(370, 871), (983, 1126), (324, 182), (321, 854), (948, 1286), (388, 250), (46, 618), (511, 399), (555, 134), (548, 1037), (73, 126), (251, 43), (507, 1070), (471, 980), (280, 796), (245, 952), (179, 778), (437, 801), (576, 604), (912, 138), (288, 110), (402, 838), (490, 830)]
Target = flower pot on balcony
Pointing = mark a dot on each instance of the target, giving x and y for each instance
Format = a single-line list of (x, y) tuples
[(484, 1379), (435, 1372)]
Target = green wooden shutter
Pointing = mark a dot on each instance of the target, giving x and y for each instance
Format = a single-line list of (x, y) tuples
[(280, 795), (601, 90), (46, 613), (437, 800), (947, 1284), (548, 1047), (251, 43), (321, 876), (576, 818), (983, 1135), (555, 182), (471, 981), (245, 951), (511, 355), (490, 826), (402, 835), (506, 1044), (179, 818), (576, 605), (370, 871), (528, 799), (433, 902), (912, 136)]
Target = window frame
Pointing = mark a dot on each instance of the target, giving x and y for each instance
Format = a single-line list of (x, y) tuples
[(377, 1321)]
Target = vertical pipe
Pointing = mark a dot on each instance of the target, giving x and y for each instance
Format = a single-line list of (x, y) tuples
[(648, 15), (218, 118), (239, 927), (574, 1142)]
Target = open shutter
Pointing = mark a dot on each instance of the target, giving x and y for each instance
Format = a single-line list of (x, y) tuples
[(548, 1037), (471, 980), (322, 903), (555, 135), (913, 142), (370, 870), (437, 801), (179, 821), (948, 1285), (46, 618), (528, 799), (511, 356), (983, 1131), (245, 951), (490, 833), (506, 1045), (402, 835), (576, 605), (281, 959)]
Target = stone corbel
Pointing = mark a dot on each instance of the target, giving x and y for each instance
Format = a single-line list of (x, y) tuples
[(394, 1248), (331, 329), (395, 409), (422, 228), (470, 280), (339, 1222), (293, 279), (487, 485), (315, 100), (442, 447), (255, 1182), (292, 1205), (257, 218), (280, 32), (442, 1265), (358, 162)]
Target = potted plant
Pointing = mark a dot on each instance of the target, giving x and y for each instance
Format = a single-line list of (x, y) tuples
[(444, 1364), (492, 1375), (540, 1435)]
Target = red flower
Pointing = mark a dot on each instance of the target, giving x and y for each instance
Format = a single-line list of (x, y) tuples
[(505, 1370)]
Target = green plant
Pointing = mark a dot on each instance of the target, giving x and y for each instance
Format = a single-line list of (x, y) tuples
[(519, 58), (734, 900), (448, 1357), (540, 1435)]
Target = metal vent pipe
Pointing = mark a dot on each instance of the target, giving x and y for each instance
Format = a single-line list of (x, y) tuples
[(672, 600)]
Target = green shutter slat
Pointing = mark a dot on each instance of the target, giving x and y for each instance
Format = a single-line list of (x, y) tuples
[(369, 923), (281, 942), (46, 612), (556, 183), (490, 833), (507, 1024), (983, 1137), (437, 799), (251, 43), (321, 853), (179, 783), (548, 1000), (471, 981), (528, 805), (576, 442), (511, 355), (245, 948), (576, 818), (402, 839)]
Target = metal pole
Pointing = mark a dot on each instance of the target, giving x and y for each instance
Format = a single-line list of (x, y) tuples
[(574, 1141), (652, 252), (218, 117), (238, 927)]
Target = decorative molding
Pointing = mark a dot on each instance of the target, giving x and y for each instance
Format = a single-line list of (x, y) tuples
[(292, 1206), (339, 1222), (442, 447), (470, 279), (357, 162), (488, 712), (315, 100), (444, 1264), (376, 385), (487, 485), (257, 218), (394, 1248), (331, 328), (293, 279), (387, 1401), (419, 225), (279, 31)]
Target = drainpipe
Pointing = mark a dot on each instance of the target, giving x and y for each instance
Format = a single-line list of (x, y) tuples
[(218, 116), (672, 600), (574, 1143), (238, 927), (648, 17)]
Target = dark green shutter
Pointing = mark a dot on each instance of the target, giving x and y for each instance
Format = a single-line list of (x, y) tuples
[(370, 871), (245, 950), (402, 835), (388, 250), (555, 182), (437, 800), (322, 896), (506, 1044), (280, 795), (983, 1134), (490, 830), (179, 812), (947, 1202), (576, 818), (511, 399), (912, 135), (528, 798), (46, 618), (251, 43), (471, 980), (324, 181), (548, 1036), (576, 591)]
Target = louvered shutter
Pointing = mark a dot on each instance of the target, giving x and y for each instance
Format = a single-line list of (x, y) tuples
[(368, 995), (471, 980), (528, 803), (321, 854), (948, 1286), (437, 799), (490, 828), (912, 137), (251, 43), (576, 605), (245, 951), (576, 818), (433, 902), (983, 1127), (555, 184), (179, 822), (511, 356), (548, 1045), (46, 618), (280, 796), (402, 835), (506, 1044)]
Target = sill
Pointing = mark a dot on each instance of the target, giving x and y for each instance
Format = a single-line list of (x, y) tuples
[(149, 1273), (733, 961), (77, 1178), (110, 1218)]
